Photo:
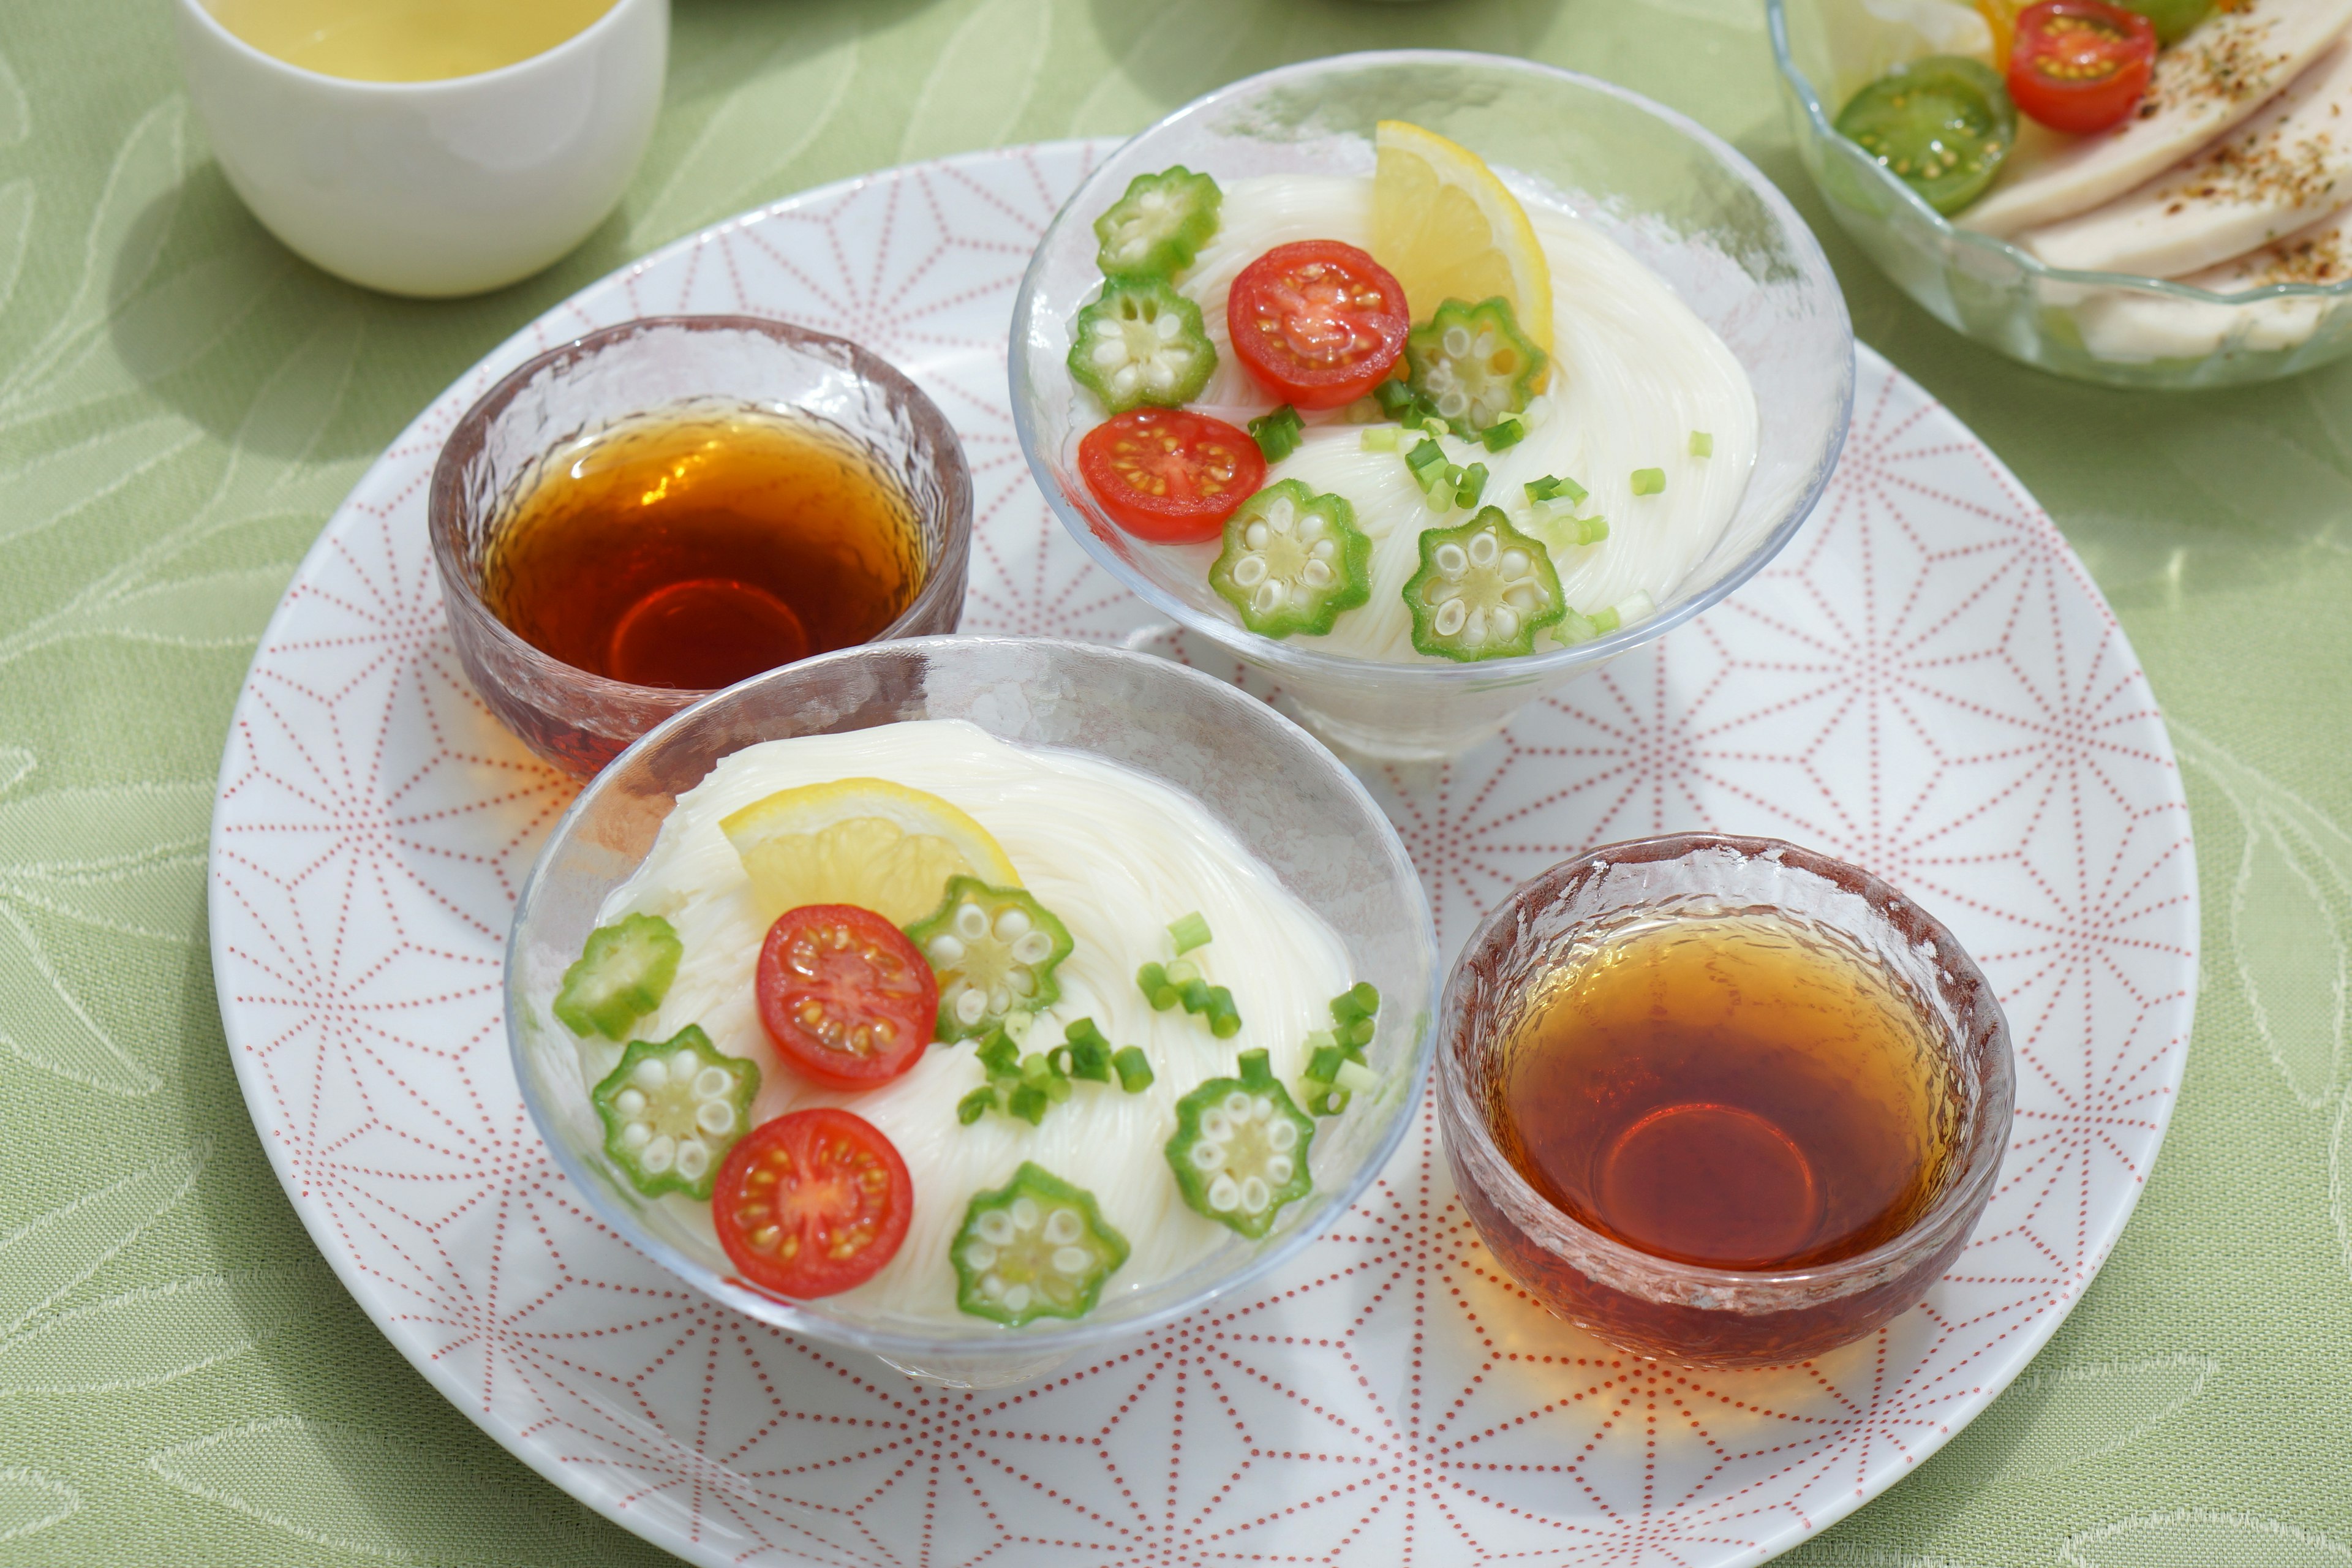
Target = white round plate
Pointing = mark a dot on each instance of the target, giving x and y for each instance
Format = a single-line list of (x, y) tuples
[(1926, 683)]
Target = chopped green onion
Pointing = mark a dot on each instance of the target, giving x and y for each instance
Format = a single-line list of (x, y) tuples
[(1189, 932), (1197, 993), (1089, 1054), (1357, 1078), (1379, 438), (1325, 1064), (1152, 981), (1455, 474), (1182, 973), (1030, 1103), (975, 1105), (1471, 485), (999, 1055), (1422, 458), (1635, 607), (1435, 425), (1574, 628), (1224, 1018), (1649, 482), (1702, 443), (1506, 431), (1590, 530), (1394, 397), (1254, 1066), (1276, 433), (1134, 1072), (1551, 487), (1604, 622), (1361, 1000)]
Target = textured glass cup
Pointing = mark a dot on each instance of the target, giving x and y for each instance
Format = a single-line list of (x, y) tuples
[(1684, 1313), (1684, 204), (2107, 327), (1288, 800), (501, 448)]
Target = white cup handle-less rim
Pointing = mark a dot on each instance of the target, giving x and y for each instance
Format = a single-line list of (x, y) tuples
[(432, 188)]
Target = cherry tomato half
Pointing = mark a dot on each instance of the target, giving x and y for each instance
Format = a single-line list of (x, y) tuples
[(812, 1202), (1318, 321), (846, 998), (1170, 476), (2079, 66)]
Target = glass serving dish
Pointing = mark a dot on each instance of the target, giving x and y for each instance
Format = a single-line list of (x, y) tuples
[(499, 449), (1679, 1311), (2106, 327), (1682, 201), (1287, 799)]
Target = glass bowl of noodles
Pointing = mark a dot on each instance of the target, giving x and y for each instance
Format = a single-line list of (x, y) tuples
[(1707, 236), (1256, 797)]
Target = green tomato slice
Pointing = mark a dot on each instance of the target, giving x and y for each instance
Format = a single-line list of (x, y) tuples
[(1292, 561), (1036, 1248), (2173, 19), (671, 1110), (1942, 125), (994, 951), (1142, 343), (1158, 226), (1483, 590)]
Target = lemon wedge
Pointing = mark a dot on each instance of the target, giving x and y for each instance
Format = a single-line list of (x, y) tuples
[(868, 842), (1449, 230)]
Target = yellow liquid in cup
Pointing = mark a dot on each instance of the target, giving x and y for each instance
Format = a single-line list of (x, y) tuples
[(405, 40)]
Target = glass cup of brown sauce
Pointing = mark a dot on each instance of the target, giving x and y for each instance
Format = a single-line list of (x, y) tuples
[(1721, 1101), (667, 507)]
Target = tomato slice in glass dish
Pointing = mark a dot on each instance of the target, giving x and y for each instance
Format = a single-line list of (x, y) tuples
[(812, 1202), (1170, 476), (1319, 322), (2079, 66), (846, 998)]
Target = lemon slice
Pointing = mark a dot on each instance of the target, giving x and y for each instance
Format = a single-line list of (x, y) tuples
[(1449, 230), (868, 842)]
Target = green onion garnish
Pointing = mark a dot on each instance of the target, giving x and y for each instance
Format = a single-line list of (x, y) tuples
[(1590, 529), (1152, 981), (1134, 1072), (1551, 487), (1276, 433), (1649, 482), (1702, 443), (1325, 1064), (1394, 397), (1604, 622), (1422, 458), (1635, 607), (1379, 438), (1191, 932), (1574, 628), (1470, 486), (1361, 1000), (1357, 1078), (1505, 432), (1183, 973), (1089, 1054), (975, 1105)]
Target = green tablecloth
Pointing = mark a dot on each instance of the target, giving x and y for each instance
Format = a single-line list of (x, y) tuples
[(154, 1288)]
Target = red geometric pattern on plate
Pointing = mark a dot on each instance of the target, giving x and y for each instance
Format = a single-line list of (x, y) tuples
[(1925, 682)]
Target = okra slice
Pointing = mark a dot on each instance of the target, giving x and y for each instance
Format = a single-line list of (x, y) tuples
[(1483, 590), (1036, 1248), (994, 950), (1240, 1149), (1142, 343), (623, 973), (1158, 226), (1473, 365), (1293, 560), (671, 1110)]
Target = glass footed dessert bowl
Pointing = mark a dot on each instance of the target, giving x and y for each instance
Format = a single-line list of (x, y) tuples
[(1275, 795), (1691, 211)]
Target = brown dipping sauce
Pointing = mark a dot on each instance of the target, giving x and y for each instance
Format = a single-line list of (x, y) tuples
[(1731, 1092), (694, 550)]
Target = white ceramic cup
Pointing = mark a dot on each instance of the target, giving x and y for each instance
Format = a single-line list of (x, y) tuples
[(433, 188)]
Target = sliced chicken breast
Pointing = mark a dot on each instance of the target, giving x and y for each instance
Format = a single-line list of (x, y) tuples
[(2284, 169), (2210, 81), (2140, 327)]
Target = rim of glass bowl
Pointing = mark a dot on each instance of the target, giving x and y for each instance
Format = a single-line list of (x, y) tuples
[(443, 499), (890, 1343), (1955, 1207), (1776, 20), (1280, 655)]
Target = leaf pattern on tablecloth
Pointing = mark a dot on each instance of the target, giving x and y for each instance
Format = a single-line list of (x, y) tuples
[(363, 1491), (142, 1339), (2196, 1538), (981, 84), (42, 1259), (31, 1502), (2052, 1419), (2288, 897)]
